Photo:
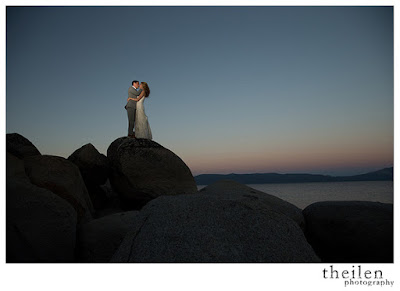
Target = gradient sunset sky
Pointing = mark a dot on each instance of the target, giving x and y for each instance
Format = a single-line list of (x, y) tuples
[(233, 89)]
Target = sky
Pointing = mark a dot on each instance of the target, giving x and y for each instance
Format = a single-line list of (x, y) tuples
[(233, 89)]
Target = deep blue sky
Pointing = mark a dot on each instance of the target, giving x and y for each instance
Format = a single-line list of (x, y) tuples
[(233, 89)]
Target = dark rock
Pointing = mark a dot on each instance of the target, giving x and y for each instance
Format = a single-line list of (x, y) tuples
[(98, 196), (15, 168), (351, 231), (94, 166), (142, 170), (19, 146), (234, 191), (113, 202), (98, 239), (202, 228), (40, 226), (112, 152), (63, 178)]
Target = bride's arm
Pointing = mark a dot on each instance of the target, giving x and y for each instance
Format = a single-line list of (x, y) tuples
[(139, 97)]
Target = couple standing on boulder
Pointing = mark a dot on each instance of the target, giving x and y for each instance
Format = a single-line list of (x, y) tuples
[(136, 116)]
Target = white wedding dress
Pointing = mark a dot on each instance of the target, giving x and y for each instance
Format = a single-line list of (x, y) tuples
[(142, 126)]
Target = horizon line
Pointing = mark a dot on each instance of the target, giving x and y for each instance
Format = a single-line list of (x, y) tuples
[(295, 173)]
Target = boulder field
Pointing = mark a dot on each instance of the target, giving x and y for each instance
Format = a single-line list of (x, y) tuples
[(140, 204)]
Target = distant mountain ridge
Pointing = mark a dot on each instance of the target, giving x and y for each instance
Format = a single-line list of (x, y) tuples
[(385, 174)]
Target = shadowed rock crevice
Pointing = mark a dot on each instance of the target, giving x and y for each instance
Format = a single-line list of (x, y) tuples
[(351, 231), (95, 169), (98, 239)]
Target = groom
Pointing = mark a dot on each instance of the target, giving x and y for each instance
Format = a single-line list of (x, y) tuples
[(130, 107)]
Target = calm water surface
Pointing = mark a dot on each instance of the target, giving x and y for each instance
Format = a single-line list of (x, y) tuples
[(304, 194)]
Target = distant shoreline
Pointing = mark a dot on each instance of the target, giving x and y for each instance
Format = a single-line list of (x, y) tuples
[(385, 174)]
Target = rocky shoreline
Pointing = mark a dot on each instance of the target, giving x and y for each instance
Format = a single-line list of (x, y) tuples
[(140, 204)]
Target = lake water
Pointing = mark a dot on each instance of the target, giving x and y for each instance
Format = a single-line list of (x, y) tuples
[(304, 194)]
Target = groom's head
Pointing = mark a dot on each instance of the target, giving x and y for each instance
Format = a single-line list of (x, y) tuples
[(135, 83)]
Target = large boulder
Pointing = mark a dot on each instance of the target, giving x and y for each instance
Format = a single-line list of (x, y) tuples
[(351, 231), (63, 178), (40, 226), (15, 168), (234, 191), (202, 228), (142, 170), (98, 239), (94, 168), (20, 146)]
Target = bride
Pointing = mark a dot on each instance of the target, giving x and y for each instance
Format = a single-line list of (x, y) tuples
[(142, 126)]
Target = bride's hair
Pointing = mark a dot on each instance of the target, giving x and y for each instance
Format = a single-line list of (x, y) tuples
[(146, 89)]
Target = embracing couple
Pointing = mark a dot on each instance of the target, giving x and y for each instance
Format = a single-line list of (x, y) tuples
[(136, 116)]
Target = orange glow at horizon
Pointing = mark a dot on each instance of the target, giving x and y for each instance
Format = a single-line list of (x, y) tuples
[(287, 161)]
